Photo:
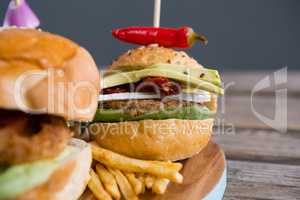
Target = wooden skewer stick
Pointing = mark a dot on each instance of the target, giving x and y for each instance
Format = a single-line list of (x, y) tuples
[(157, 11), (156, 16)]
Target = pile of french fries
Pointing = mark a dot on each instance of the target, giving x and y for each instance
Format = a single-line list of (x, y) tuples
[(115, 176)]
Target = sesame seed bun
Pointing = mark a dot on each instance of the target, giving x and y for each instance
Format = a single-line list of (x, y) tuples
[(147, 56)]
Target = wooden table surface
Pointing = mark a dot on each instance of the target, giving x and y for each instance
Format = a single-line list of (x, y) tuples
[(263, 163)]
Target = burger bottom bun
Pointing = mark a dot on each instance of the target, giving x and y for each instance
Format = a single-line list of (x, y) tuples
[(171, 139), (69, 180)]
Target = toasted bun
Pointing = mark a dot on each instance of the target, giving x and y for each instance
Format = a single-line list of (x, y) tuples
[(69, 180), (147, 56), (171, 139), (46, 73)]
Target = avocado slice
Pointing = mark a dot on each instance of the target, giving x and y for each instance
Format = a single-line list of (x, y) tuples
[(208, 75), (193, 112), (18, 179), (205, 74), (135, 76)]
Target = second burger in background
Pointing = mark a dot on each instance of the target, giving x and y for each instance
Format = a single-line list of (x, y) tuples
[(156, 104)]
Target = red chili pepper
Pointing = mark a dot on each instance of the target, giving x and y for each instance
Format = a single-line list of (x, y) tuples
[(183, 37)]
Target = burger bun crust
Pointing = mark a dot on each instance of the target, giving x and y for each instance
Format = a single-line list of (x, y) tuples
[(46, 73), (169, 140), (150, 55)]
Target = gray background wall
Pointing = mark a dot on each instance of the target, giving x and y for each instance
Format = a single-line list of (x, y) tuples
[(248, 34)]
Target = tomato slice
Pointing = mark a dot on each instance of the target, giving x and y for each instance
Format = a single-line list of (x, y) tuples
[(161, 85), (157, 85), (117, 89)]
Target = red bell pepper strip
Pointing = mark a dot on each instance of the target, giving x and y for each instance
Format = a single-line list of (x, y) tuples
[(183, 37)]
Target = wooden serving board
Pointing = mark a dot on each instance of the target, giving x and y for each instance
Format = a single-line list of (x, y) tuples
[(201, 175)]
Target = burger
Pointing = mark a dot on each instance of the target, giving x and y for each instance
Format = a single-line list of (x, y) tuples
[(46, 81), (156, 103)]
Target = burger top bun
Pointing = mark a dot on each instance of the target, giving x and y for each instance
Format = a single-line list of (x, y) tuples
[(147, 56), (45, 73)]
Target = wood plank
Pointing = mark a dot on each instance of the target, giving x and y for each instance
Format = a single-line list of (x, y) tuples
[(237, 111), (244, 81), (261, 145), (255, 180)]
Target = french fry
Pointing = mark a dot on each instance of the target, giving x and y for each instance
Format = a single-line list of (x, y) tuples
[(124, 185), (96, 187), (157, 168), (109, 181), (136, 184), (149, 181), (142, 180), (160, 185), (87, 195)]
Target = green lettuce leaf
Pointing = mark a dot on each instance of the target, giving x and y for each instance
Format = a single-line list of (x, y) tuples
[(194, 112)]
